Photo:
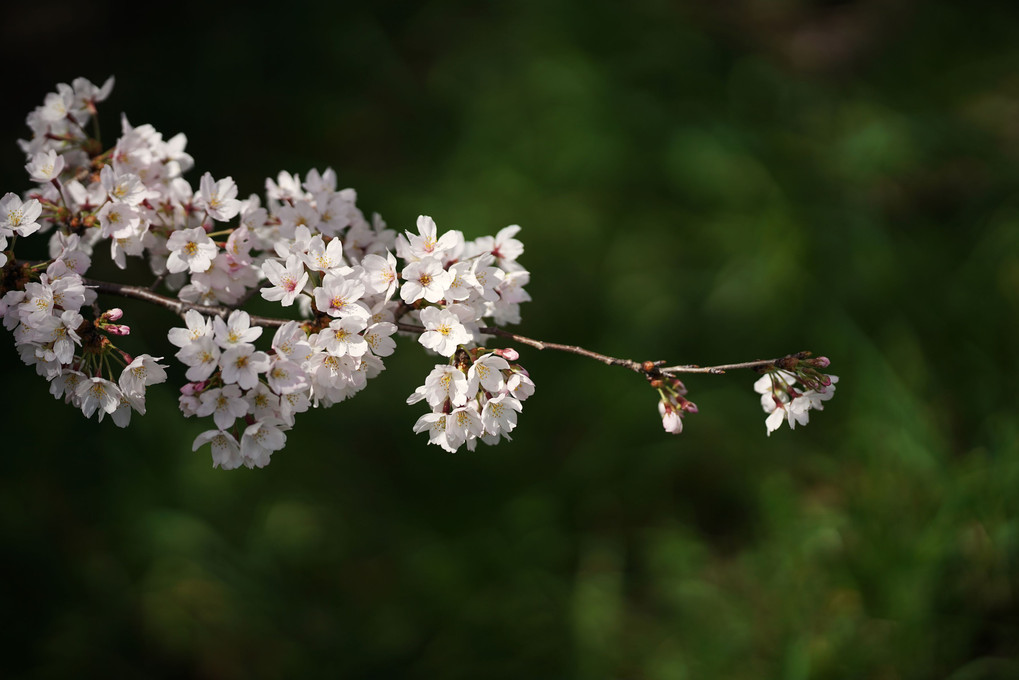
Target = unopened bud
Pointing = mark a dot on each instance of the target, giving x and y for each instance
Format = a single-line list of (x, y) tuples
[(115, 329), (192, 388), (820, 362), (113, 314), (509, 354)]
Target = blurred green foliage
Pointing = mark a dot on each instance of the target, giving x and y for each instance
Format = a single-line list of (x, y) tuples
[(703, 182)]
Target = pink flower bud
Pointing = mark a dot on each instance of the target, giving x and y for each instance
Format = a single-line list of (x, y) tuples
[(114, 329), (820, 362), (509, 354), (192, 388), (113, 314)]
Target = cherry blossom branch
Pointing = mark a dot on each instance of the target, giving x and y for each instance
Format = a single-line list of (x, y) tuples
[(450, 283), (650, 369)]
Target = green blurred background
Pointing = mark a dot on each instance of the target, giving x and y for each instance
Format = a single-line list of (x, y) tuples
[(701, 182)]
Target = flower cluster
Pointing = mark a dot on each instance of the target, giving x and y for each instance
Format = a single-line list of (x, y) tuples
[(789, 394), (226, 373), (477, 396), (78, 356), (232, 380), (42, 308), (674, 404), (308, 244)]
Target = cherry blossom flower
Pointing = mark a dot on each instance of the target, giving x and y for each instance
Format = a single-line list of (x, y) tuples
[(342, 337), (224, 404), (499, 414), (378, 337), (487, 373), (425, 279), (286, 377), (122, 187), (236, 330), (427, 244), (242, 364), (463, 425), (19, 217), (322, 257), (671, 420), (338, 296), (263, 403), (288, 280), (201, 356), (219, 198), (380, 274), (443, 331), (435, 424), (291, 341), (190, 250), (45, 166), (260, 440), (197, 327), (226, 452), (445, 382), (503, 247), (97, 394), (119, 221), (464, 283), (143, 371)]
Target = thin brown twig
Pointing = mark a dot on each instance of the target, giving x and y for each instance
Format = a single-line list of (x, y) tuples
[(722, 368), (541, 344)]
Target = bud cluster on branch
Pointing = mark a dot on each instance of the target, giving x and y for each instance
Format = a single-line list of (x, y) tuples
[(352, 282)]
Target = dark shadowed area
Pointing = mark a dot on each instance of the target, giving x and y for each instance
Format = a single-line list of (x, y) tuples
[(703, 182)]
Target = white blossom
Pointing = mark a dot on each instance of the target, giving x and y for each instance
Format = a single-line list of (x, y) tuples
[(443, 331), (45, 166), (288, 280), (190, 250), (226, 452), (260, 440), (242, 364)]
